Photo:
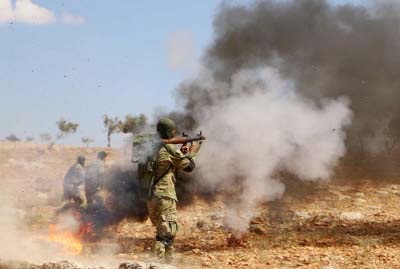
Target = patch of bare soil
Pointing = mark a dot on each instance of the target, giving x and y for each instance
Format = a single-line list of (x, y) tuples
[(351, 222)]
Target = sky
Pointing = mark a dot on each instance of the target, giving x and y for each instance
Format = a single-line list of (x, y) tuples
[(81, 59)]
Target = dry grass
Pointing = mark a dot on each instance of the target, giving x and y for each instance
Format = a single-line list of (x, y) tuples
[(282, 240)]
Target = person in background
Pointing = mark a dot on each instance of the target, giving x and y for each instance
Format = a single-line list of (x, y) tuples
[(74, 183), (94, 178)]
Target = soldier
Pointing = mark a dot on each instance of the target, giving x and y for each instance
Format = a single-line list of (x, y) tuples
[(162, 203), (94, 178), (74, 183)]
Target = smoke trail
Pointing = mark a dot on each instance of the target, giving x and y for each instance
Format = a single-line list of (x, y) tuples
[(327, 50), (277, 89), (264, 127)]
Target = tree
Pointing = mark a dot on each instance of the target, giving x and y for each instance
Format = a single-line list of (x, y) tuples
[(87, 141), (30, 138), (64, 128), (392, 134), (13, 138), (134, 124), (112, 125)]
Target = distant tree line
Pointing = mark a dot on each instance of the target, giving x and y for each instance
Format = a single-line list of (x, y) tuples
[(131, 124), (112, 125)]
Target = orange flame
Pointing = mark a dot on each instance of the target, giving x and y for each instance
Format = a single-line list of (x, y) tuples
[(70, 241), (67, 240)]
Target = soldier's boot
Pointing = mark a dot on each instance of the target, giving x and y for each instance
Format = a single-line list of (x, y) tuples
[(169, 254), (159, 249)]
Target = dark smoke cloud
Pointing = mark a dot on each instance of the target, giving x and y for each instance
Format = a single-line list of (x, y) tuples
[(123, 200), (327, 50), (126, 200), (126, 197)]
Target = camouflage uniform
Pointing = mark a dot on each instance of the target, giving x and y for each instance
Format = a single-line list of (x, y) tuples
[(94, 180), (73, 185), (162, 205)]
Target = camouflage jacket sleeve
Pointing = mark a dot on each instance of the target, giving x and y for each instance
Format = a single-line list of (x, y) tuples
[(177, 159)]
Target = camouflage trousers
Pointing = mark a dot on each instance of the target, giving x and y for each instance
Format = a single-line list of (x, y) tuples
[(162, 212)]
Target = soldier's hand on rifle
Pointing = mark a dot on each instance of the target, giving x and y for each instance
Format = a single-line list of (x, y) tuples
[(185, 149), (193, 148)]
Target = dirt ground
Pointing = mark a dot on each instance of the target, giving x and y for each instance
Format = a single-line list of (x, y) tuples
[(353, 221)]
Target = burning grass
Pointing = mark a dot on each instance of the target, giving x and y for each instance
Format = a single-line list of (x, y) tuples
[(69, 233), (66, 240)]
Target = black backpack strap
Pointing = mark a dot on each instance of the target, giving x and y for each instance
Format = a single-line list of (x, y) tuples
[(154, 181)]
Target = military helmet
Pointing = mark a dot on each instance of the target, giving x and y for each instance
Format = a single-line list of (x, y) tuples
[(81, 159), (166, 128), (101, 155)]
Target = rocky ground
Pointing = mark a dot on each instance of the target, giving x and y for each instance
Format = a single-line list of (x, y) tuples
[(352, 221)]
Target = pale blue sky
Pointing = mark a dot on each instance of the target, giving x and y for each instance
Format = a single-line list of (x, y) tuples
[(82, 59)]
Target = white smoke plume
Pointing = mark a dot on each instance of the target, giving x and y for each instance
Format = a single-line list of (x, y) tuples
[(16, 241), (20, 241), (20, 244), (266, 126)]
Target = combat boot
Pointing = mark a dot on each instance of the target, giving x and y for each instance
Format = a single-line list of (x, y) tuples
[(159, 249), (169, 254)]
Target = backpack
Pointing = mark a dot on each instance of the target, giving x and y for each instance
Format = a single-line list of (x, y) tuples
[(144, 150)]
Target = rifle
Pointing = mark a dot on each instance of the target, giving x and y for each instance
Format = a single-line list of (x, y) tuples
[(184, 139)]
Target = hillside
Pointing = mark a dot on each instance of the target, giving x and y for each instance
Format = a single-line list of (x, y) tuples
[(350, 222)]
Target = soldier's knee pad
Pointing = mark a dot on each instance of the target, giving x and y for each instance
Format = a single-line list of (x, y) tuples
[(173, 227)]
